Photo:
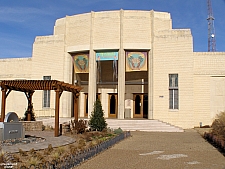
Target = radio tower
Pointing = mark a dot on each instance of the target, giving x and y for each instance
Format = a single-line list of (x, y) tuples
[(211, 29)]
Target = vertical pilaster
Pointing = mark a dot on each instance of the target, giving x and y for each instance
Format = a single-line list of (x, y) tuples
[(121, 72), (66, 105), (150, 70), (92, 71)]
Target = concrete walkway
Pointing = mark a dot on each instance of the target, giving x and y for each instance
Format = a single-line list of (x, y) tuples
[(159, 150), (50, 139)]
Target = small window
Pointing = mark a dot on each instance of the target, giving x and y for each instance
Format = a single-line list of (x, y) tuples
[(173, 91), (46, 94)]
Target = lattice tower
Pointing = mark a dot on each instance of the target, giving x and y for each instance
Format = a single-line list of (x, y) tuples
[(211, 29)]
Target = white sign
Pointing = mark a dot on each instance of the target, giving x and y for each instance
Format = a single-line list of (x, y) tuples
[(128, 103)]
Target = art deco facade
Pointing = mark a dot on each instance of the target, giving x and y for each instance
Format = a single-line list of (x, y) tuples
[(133, 61)]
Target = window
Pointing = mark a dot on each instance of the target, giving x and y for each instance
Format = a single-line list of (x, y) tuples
[(46, 94), (173, 91)]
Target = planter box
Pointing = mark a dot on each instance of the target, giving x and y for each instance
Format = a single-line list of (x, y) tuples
[(32, 125)]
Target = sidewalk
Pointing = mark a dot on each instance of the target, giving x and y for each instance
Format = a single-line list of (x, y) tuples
[(159, 150), (50, 139)]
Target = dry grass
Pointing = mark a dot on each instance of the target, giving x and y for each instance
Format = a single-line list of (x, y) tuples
[(2, 156), (218, 126), (202, 131), (83, 141)]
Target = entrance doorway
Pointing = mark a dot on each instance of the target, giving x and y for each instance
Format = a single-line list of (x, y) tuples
[(113, 105), (140, 105)]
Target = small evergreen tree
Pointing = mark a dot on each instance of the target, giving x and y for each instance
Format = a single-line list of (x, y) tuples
[(97, 121)]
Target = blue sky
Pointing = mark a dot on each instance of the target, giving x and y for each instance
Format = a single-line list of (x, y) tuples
[(22, 20)]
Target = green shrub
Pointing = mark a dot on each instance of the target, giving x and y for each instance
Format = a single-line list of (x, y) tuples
[(218, 125), (97, 121), (118, 131)]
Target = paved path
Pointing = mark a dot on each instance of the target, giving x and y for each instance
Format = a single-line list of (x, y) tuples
[(50, 139), (148, 150)]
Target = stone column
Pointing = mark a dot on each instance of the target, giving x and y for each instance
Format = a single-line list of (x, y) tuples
[(92, 71), (150, 70), (150, 85), (121, 72)]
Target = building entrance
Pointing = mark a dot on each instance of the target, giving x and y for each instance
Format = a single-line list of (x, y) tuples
[(140, 105), (113, 105)]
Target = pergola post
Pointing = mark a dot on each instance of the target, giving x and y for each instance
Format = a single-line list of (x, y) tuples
[(75, 101), (30, 106), (3, 103), (58, 93)]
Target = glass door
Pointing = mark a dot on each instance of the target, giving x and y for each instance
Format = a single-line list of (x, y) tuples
[(113, 105), (140, 105)]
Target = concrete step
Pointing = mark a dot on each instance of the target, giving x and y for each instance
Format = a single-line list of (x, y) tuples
[(127, 124), (142, 125)]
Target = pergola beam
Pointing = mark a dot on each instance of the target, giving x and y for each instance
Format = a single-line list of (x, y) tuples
[(29, 86)]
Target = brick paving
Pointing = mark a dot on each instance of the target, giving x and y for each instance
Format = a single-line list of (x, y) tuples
[(159, 150)]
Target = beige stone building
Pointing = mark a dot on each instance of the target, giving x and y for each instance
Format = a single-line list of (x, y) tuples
[(133, 61)]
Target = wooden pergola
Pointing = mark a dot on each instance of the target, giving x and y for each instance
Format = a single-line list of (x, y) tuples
[(29, 87)]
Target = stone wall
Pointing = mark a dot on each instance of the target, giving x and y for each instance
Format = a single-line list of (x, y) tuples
[(32, 125), (11, 69), (209, 80), (173, 54)]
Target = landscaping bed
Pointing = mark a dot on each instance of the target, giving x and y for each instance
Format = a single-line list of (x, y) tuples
[(91, 137), (216, 134), (87, 145), (216, 141)]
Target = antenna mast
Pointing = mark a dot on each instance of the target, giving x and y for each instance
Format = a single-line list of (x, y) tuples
[(211, 29)]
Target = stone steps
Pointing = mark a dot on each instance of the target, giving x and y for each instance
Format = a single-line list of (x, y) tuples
[(125, 124), (142, 125)]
